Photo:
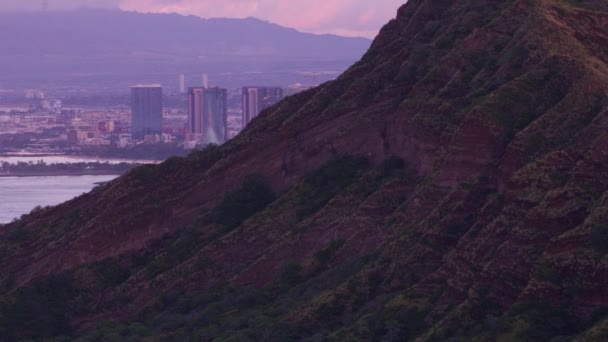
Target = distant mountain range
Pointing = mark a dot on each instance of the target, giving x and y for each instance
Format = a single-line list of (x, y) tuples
[(55, 46)]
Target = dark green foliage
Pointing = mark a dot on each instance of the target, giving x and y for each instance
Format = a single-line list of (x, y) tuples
[(500, 44), (327, 254), (17, 234), (254, 195), (177, 249), (109, 273), (472, 14), (507, 121), (391, 165), (41, 168), (172, 165), (139, 259), (404, 323), (290, 273), (146, 174), (599, 314), (558, 177), (158, 151), (202, 159), (37, 311), (546, 272), (374, 282), (476, 59), (430, 29), (246, 313), (6, 284), (588, 4), (330, 312), (516, 55), (519, 104), (484, 306), (73, 217), (327, 181), (545, 321), (399, 323), (251, 297), (599, 238), (391, 168), (415, 67), (455, 230), (534, 144)]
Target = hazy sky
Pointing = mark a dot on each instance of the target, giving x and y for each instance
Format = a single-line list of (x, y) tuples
[(345, 17)]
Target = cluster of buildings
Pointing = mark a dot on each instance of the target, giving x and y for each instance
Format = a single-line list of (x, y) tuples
[(197, 116), (40, 115), (53, 125), (100, 129), (207, 111)]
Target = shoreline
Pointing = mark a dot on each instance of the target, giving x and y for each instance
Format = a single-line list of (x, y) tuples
[(17, 154), (85, 158), (60, 174)]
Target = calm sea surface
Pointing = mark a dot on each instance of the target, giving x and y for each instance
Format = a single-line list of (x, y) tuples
[(19, 195)]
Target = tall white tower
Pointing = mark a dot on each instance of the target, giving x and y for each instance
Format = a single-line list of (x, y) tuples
[(182, 83), (205, 81)]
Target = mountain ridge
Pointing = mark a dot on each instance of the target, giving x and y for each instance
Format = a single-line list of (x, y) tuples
[(104, 51), (34, 28), (451, 184)]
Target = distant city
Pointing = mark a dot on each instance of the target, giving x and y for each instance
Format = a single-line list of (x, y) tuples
[(149, 86), (194, 116)]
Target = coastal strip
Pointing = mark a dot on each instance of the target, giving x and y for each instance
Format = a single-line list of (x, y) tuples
[(63, 173)]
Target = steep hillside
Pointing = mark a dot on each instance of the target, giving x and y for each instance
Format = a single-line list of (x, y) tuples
[(453, 183)]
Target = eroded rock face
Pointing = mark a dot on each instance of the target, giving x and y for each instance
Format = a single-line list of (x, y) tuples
[(497, 111)]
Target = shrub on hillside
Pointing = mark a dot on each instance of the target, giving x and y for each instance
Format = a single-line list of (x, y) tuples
[(599, 238), (18, 234), (109, 273), (326, 182), (290, 273), (252, 196), (37, 311)]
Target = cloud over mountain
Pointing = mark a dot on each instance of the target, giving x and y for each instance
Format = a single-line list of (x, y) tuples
[(345, 17)]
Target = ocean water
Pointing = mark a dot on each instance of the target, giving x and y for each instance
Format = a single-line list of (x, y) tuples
[(19, 195)]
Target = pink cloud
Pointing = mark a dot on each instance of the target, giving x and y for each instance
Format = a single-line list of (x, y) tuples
[(346, 17), (232, 8)]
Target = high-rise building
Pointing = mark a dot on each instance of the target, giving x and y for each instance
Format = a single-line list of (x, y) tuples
[(146, 110), (182, 83), (208, 114), (256, 99), (205, 81)]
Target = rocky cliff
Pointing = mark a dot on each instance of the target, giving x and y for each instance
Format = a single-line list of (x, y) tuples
[(451, 184)]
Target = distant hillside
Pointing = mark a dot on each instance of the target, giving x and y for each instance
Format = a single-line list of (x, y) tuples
[(89, 33), (56, 45)]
